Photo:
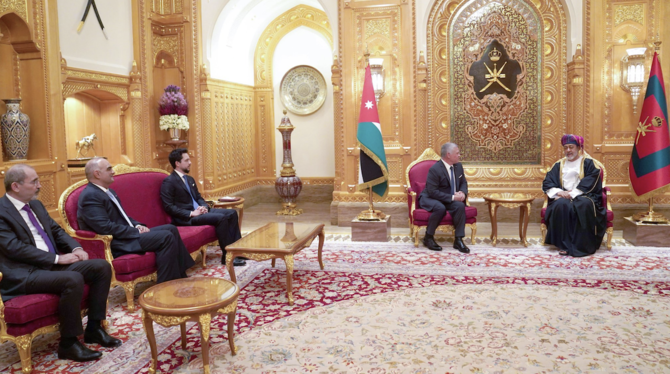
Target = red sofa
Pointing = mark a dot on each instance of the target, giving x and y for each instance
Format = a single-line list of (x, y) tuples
[(139, 191), (606, 192), (416, 175)]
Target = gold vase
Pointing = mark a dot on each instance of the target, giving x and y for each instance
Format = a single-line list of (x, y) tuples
[(175, 133)]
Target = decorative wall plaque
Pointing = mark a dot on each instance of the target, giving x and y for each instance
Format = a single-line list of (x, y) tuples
[(303, 90)]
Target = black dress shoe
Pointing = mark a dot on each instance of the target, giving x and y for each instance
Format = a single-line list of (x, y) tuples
[(100, 336), (78, 352), (429, 242), (239, 262), (458, 244)]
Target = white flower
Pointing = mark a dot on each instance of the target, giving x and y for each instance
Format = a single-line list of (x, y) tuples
[(173, 121)]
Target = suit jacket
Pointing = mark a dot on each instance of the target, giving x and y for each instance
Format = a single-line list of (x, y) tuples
[(176, 199), (438, 186), (18, 254), (97, 212)]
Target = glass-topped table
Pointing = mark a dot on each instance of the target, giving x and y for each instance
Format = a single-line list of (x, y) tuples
[(190, 299), (276, 240)]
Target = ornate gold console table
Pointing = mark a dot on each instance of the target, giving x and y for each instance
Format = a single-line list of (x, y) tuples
[(509, 200)]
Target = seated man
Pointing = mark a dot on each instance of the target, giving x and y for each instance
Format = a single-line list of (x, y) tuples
[(99, 210), (183, 203), (37, 256), (575, 216), (446, 190)]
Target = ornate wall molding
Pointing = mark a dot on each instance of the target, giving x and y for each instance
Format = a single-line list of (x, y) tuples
[(78, 80), (301, 15), (17, 6), (551, 27)]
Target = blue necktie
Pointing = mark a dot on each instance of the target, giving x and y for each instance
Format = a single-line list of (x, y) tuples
[(188, 188), (39, 228), (453, 181)]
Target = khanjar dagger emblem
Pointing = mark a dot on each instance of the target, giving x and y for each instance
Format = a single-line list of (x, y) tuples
[(488, 78)]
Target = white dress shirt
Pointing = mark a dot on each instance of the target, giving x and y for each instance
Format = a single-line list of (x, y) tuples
[(570, 177), (39, 241)]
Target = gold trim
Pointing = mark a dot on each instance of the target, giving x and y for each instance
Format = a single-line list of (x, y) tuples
[(167, 321)]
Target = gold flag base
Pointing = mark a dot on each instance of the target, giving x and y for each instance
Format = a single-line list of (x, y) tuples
[(650, 216), (371, 214)]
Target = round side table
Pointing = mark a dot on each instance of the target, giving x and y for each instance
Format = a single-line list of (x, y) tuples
[(190, 299), (237, 205), (509, 200)]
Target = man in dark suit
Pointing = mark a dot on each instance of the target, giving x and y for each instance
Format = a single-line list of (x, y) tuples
[(182, 201), (99, 210), (446, 191), (37, 256)]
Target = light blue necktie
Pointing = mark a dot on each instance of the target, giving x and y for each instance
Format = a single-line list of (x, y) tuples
[(188, 188), (111, 196)]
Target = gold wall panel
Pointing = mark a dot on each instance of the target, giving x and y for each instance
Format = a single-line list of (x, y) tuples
[(232, 136), (547, 19)]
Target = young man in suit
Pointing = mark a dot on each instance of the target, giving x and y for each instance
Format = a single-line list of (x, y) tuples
[(99, 210), (37, 256), (183, 202), (446, 191)]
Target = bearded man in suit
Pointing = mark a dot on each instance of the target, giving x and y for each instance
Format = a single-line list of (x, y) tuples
[(37, 256), (446, 191), (183, 202), (99, 210)]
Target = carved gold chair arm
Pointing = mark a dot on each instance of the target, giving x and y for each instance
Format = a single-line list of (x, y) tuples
[(210, 203), (3, 325), (107, 242)]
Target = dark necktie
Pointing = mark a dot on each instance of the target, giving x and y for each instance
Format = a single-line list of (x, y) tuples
[(188, 188), (453, 181), (116, 202), (39, 228)]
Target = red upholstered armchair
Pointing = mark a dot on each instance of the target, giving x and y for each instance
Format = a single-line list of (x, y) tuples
[(139, 191), (23, 318), (606, 192), (416, 175)]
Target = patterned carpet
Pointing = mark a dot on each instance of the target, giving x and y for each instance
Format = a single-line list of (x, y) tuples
[(393, 308)]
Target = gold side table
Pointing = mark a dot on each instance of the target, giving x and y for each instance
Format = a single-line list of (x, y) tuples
[(237, 205), (276, 240), (190, 299), (509, 200)]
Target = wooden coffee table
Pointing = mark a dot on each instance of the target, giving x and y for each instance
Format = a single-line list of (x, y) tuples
[(190, 299), (276, 240), (509, 200)]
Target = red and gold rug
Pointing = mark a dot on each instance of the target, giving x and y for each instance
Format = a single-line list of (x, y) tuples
[(393, 308)]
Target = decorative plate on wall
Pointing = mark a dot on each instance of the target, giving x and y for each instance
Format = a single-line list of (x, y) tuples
[(303, 90)]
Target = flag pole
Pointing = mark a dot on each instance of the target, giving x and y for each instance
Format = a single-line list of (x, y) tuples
[(370, 214), (650, 216)]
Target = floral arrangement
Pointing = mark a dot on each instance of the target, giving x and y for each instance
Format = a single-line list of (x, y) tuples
[(173, 109)]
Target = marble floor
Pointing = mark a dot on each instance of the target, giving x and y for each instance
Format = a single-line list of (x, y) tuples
[(260, 214)]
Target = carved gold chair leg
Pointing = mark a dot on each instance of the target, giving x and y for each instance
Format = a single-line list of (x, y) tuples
[(610, 233), (130, 295), (416, 235), (203, 250), (473, 233), (24, 344), (543, 230)]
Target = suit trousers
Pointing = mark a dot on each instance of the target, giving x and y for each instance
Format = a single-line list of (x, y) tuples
[(67, 281), (439, 209), (172, 257), (226, 224)]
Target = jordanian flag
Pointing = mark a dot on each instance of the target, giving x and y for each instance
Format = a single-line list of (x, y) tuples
[(649, 167), (373, 171)]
